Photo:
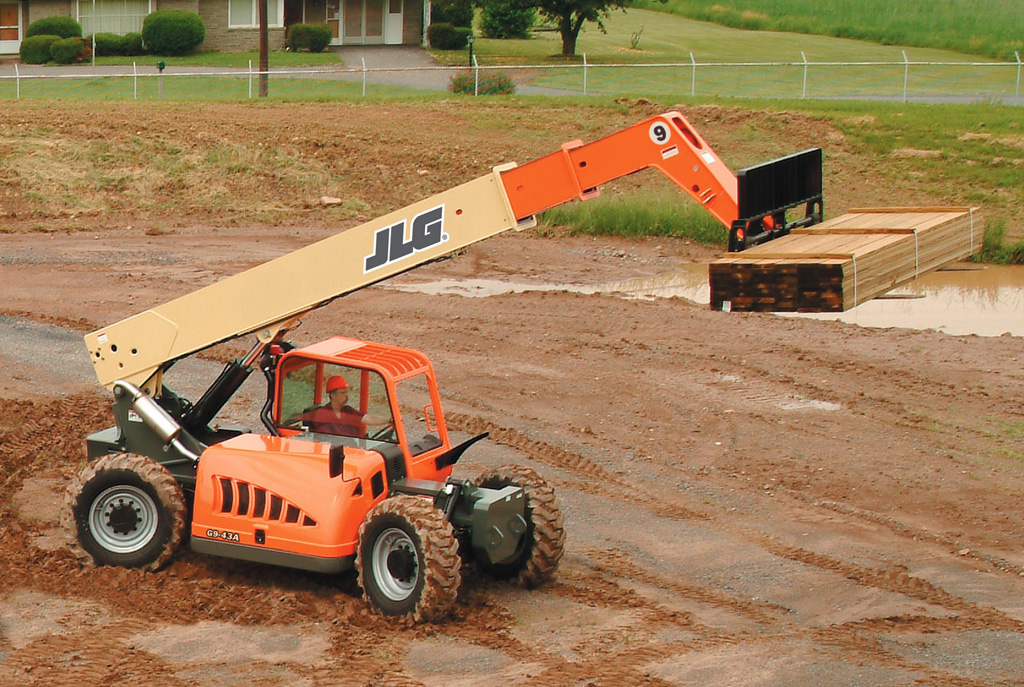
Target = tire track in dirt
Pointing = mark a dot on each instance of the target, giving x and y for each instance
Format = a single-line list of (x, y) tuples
[(911, 534), (602, 482), (89, 656), (861, 642), (893, 580), (896, 581), (619, 564), (855, 640)]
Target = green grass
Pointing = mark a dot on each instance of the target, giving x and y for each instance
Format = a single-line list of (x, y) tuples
[(238, 60), (992, 28), (671, 38), (996, 250), (195, 88), (668, 39), (638, 214)]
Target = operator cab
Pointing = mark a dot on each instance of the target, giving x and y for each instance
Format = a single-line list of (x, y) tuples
[(361, 395)]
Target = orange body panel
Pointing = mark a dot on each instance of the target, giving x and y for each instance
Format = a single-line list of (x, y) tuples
[(302, 509), (667, 143)]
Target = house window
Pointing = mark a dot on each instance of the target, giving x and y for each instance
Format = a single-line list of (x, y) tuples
[(245, 13), (112, 16)]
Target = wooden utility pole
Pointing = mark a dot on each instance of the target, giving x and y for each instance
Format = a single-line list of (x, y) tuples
[(264, 51)]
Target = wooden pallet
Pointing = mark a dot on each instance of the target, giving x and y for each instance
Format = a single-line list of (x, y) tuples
[(839, 264)]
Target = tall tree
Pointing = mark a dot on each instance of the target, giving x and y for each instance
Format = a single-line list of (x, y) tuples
[(571, 15)]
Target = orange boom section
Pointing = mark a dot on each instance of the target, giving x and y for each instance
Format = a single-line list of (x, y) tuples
[(666, 142)]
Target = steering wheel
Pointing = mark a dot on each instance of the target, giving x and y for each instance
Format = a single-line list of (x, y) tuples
[(383, 434)]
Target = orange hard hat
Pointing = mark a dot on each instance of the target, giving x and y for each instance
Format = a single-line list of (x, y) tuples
[(336, 382)]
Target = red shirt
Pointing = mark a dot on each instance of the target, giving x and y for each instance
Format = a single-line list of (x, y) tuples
[(346, 422)]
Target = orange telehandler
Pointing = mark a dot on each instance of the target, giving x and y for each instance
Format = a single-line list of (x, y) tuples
[(354, 466)]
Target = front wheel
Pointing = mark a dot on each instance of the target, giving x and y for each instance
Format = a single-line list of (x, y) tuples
[(408, 559), (540, 549), (125, 510)]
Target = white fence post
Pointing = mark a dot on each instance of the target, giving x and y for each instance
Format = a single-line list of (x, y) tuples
[(17, 82), (364, 75), (250, 79), (693, 76), (135, 81), (476, 77), (803, 93), (1017, 55), (584, 73), (906, 74)]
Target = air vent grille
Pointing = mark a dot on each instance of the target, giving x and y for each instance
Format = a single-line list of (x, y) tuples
[(242, 498)]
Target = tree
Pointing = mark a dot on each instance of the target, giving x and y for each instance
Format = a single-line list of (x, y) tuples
[(572, 14)]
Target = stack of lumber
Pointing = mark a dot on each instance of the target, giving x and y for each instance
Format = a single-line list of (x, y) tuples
[(841, 263)]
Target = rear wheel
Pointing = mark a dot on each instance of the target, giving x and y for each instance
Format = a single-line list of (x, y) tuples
[(125, 510), (540, 549), (408, 560)]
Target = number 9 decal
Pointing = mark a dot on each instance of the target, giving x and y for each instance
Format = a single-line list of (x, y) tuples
[(659, 133)]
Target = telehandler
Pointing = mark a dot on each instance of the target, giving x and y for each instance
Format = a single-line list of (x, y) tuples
[(354, 463)]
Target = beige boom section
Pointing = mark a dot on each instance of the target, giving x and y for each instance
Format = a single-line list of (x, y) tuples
[(268, 298)]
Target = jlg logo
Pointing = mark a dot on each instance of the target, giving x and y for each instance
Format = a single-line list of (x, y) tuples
[(389, 243)]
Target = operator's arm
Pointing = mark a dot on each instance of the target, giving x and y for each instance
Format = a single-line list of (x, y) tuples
[(377, 420)]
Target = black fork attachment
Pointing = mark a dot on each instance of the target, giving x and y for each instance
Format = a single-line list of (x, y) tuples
[(772, 188)]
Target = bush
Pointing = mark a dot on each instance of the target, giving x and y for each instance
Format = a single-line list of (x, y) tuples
[(36, 50), (448, 37), (490, 84), (172, 32), (311, 37), (506, 19), (454, 12), (109, 44), (61, 26), (133, 44), (68, 50)]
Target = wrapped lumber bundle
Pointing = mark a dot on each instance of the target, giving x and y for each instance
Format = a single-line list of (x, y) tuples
[(839, 264)]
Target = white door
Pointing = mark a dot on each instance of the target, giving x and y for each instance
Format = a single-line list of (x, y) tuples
[(363, 22), (10, 27), (394, 22)]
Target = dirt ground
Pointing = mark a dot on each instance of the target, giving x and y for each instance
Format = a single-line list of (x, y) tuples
[(750, 499)]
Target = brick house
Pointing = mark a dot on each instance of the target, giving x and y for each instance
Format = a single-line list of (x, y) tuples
[(232, 24)]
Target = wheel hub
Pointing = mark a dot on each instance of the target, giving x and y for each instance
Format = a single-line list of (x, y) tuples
[(402, 564), (395, 564), (123, 518)]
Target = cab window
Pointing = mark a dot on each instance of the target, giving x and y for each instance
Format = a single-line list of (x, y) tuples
[(328, 398), (419, 416)]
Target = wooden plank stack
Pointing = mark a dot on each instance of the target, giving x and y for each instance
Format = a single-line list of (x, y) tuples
[(841, 263)]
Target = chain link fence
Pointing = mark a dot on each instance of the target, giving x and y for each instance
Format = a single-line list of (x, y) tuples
[(901, 81)]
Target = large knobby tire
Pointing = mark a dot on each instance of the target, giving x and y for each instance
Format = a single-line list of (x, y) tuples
[(540, 550), (124, 510), (408, 559)]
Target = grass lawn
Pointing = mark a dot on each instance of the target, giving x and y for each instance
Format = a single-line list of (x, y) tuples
[(983, 27), (241, 60)]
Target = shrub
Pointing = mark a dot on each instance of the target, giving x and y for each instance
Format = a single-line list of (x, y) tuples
[(68, 50), (448, 37), (311, 37), (490, 84), (109, 44), (454, 12), (133, 44), (61, 26), (36, 50), (172, 32), (506, 19)]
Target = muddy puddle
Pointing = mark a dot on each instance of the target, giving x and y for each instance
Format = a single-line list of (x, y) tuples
[(985, 300)]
